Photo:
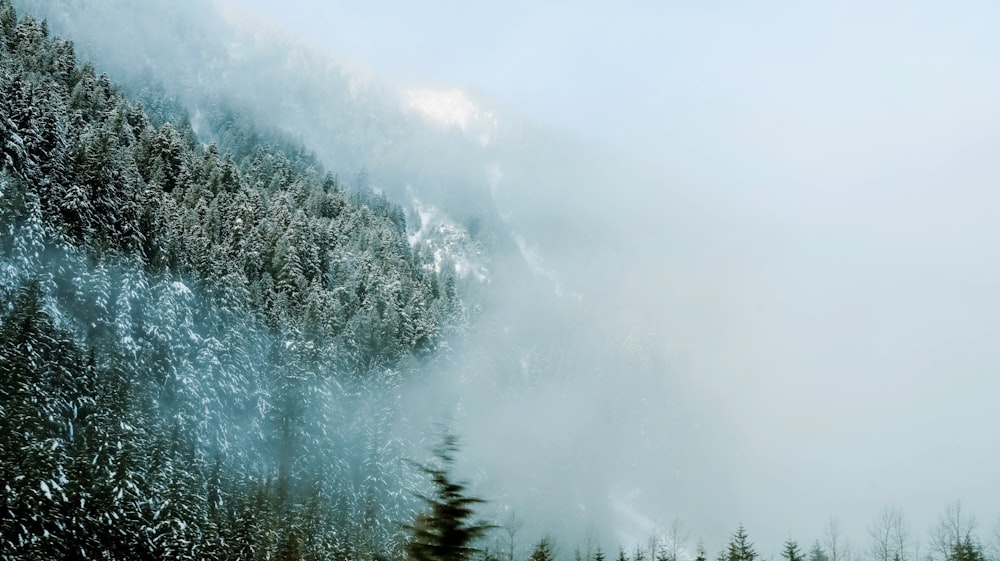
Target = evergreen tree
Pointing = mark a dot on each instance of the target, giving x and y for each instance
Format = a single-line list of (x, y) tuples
[(700, 554), (740, 548), (542, 550), (791, 551), (816, 553), (966, 549), (445, 531)]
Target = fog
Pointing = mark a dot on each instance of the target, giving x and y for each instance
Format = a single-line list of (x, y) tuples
[(805, 245), (745, 268)]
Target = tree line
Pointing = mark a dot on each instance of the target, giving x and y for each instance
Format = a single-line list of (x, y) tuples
[(953, 538), (447, 530)]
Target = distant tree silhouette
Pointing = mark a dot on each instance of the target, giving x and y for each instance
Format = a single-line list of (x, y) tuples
[(740, 548), (543, 550), (791, 551)]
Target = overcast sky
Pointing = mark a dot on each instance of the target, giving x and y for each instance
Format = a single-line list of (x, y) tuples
[(643, 69), (820, 234)]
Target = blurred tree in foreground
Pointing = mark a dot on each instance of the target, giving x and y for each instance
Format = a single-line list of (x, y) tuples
[(445, 531)]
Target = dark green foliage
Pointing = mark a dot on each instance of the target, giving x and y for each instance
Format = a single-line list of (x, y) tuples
[(543, 550), (38, 366), (445, 531), (791, 551), (312, 257), (199, 348), (966, 549), (740, 548)]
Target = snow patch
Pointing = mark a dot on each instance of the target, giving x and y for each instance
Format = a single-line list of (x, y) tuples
[(180, 288), (448, 107), (452, 107), (447, 243)]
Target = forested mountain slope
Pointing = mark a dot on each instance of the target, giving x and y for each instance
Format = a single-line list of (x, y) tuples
[(485, 167), (200, 352)]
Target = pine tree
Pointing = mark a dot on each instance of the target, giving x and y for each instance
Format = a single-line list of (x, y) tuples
[(543, 550), (8, 22), (740, 548), (700, 554), (13, 154), (791, 551), (816, 553), (444, 532), (966, 549)]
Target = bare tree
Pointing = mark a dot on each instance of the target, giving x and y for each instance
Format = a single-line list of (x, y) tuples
[(511, 527), (836, 545), (890, 536), (993, 548), (653, 543), (675, 541), (953, 529), (592, 546)]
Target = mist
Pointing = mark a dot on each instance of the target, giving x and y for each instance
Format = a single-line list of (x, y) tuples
[(793, 220), (740, 255)]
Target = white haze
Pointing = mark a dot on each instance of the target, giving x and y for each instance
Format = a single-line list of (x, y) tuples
[(783, 308)]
